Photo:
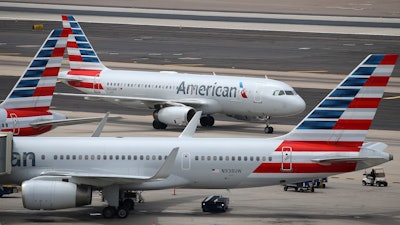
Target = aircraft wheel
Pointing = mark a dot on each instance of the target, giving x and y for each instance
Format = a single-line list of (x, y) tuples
[(108, 212), (122, 212), (207, 121), (268, 130), (159, 125)]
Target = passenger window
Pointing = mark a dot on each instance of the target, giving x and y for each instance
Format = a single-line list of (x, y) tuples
[(196, 158), (55, 157), (73, 157), (61, 157), (43, 157)]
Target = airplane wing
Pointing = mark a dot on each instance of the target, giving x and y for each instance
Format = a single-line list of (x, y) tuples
[(106, 178), (148, 101), (66, 122)]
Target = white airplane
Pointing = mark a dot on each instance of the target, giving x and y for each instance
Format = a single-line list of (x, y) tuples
[(175, 96), (25, 111), (330, 140)]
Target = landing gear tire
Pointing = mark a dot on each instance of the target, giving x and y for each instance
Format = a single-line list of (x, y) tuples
[(207, 121), (108, 212), (159, 125), (268, 130), (122, 212)]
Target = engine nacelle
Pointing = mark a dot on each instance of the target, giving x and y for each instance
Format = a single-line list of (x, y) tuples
[(174, 115), (47, 194)]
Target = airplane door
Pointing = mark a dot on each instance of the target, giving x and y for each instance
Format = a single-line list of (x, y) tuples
[(186, 161), (286, 165), (257, 93), (15, 121), (96, 85)]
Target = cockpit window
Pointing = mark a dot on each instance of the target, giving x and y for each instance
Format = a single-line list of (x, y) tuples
[(284, 92), (289, 92)]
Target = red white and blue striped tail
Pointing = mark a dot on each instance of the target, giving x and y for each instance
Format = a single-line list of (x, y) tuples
[(34, 90), (345, 115), (83, 60)]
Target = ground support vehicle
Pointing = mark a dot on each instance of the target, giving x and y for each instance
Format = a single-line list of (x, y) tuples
[(8, 189), (215, 203), (375, 177)]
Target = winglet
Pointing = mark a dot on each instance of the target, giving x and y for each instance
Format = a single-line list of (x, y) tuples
[(166, 168), (100, 127), (190, 128)]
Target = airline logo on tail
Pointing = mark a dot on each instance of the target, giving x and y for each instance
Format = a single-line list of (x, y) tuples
[(83, 59), (35, 88), (339, 124)]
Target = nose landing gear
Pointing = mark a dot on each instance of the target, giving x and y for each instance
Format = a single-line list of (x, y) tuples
[(268, 129)]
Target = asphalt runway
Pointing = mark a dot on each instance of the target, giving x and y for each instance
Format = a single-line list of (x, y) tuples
[(316, 63)]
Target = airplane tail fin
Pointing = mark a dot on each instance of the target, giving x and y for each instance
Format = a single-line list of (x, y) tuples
[(34, 90), (83, 59), (345, 115)]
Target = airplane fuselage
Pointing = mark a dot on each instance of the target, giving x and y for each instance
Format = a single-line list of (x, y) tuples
[(200, 162), (214, 94)]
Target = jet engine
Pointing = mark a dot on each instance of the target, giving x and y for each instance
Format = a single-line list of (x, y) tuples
[(174, 115), (48, 194)]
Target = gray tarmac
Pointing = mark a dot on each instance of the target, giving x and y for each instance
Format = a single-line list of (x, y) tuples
[(312, 63)]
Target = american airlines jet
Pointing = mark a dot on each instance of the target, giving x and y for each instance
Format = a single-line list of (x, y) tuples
[(175, 97), (330, 140), (25, 111)]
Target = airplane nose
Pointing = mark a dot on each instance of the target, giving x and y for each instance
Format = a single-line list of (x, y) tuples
[(297, 105)]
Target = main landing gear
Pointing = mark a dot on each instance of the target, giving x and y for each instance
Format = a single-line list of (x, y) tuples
[(119, 203), (268, 129), (122, 211), (207, 121), (159, 125)]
